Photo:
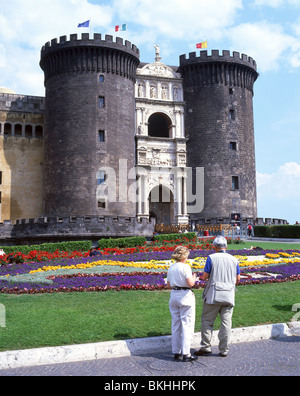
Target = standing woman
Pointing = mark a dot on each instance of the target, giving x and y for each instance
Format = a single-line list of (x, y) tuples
[(182, 304)]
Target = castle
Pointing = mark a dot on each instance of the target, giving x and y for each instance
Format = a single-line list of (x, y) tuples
[(117, 145)]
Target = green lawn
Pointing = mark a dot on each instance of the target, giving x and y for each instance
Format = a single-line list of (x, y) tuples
[(265, 245), (77, 318)]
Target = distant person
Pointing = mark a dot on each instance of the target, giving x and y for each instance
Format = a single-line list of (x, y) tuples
[(249, 229), (95, 252), (182, 304), (222, 272)]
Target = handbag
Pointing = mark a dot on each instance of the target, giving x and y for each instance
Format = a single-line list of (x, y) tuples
[(224, 293)]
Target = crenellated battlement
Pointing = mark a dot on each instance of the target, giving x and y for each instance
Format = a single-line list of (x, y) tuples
[(205, 70), (89, 55), (85, 40), (73, 228), (215, 56)]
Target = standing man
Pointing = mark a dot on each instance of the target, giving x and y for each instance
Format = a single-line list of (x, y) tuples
[(222, 272)]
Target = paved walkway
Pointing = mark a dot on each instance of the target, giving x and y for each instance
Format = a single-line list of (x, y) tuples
[(272, 357)]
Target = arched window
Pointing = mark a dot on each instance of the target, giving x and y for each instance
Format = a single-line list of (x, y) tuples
[(18, 130), (7, 128), (39, 132), (28, 131), (159, 125)]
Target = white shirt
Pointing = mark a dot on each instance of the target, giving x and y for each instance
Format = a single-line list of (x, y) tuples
[(178, 273)]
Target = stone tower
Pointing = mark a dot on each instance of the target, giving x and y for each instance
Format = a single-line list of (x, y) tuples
[(89, 125), (218, 92)]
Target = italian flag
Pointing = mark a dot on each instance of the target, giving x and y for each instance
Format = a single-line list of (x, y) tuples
[(121, 28)]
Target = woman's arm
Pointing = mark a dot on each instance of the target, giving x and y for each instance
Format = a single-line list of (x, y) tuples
[(191, 281)]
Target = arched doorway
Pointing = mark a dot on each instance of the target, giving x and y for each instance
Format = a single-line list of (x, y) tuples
[(161, 205), (159, 125)]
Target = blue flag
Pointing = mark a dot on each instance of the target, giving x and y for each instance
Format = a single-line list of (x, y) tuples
[(84, 24)]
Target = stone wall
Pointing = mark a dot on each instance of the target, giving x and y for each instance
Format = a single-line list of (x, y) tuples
[(48, 229)]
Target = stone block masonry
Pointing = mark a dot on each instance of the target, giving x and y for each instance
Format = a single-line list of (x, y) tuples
[(59, 229), (89, 88), (218, 91)]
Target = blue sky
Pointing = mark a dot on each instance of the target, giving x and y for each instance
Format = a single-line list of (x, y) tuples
[(267, 30)]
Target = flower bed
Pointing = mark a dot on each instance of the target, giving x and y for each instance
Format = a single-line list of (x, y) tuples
[(81, 282), (279, 273), (93, 282), (73, 272)]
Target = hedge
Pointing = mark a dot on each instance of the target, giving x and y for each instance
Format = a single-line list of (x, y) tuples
[(126, 242), (173, 237), (277, 231), (50, 247)]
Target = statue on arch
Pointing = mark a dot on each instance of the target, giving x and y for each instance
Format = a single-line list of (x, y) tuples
[(157, 53)]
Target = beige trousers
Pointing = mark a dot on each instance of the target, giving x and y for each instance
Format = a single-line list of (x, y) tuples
[(209, 315)]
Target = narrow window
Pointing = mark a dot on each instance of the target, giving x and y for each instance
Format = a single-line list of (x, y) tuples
[(18, 130), (232, 146), (0, 177), (7, 129), (101, 78), (231, 114), (101, 102), (235, 183), (28, 131), (230, 91), (101, 136), (39, 132), (101, 177)]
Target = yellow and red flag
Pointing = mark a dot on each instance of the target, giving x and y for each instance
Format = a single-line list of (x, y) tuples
[(202, 45)]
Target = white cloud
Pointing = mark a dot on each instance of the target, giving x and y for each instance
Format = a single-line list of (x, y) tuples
[(181, 18), (285, 181), (263, 41), (279, 193), (170, 22), (25, 26), (276, 3)]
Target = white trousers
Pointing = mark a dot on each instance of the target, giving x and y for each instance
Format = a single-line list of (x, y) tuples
[(182, 308)]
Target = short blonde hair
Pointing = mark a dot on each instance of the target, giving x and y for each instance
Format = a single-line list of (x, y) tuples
[(180, 253)]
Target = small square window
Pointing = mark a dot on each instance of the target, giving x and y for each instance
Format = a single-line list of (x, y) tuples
[(101, 204), (101, 136), (235, 183)]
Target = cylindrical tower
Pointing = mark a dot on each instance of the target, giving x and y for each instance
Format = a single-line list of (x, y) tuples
[(218, 92), (89, 125)]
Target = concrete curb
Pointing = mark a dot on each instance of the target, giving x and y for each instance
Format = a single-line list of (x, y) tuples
[(116, 349)]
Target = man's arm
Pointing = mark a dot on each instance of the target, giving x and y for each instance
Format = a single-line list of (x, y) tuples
[(207, 269), (205, 276)]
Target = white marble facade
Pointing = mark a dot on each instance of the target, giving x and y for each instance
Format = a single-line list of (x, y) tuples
[(161, 147)]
